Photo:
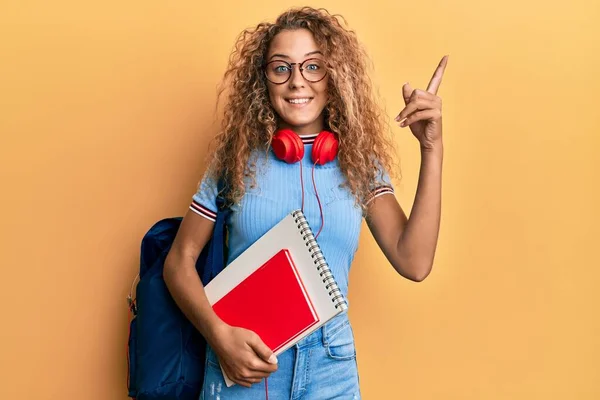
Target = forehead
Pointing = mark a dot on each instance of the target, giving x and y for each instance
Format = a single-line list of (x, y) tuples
[(294, 44)]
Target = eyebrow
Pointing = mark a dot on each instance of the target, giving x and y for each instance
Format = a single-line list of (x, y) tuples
[(288, 57)]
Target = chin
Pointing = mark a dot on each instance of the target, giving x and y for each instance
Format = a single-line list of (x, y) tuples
[(301, 120)]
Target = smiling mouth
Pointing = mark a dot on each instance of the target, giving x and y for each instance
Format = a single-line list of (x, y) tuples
[(304, 100)]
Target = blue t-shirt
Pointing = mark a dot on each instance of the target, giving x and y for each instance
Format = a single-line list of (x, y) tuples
[(278, 192)]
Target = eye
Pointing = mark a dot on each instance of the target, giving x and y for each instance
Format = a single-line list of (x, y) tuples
[(281, 68), (313, 67)]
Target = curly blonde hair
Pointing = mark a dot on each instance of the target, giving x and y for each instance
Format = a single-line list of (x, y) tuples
[(352, 113)]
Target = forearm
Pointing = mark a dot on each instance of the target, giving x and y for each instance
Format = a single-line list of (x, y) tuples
[(187, 290), (417, 244)]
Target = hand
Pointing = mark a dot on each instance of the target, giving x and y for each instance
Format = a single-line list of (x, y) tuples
[(423, 111), (243, 356)]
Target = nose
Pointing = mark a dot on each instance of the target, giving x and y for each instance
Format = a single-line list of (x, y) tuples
[(296, 80)]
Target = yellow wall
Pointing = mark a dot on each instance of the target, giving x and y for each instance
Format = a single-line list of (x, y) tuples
[(105, 114)]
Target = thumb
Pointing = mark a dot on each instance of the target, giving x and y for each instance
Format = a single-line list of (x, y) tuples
[(406, 92), (262, 350)]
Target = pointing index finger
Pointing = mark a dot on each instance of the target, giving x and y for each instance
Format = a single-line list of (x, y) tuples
[(436, 79)]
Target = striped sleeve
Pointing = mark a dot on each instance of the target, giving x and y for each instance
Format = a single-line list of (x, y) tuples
[(204, 202), (381, 185)]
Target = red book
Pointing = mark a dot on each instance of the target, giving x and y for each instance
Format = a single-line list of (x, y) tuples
[(272, 302), (280, 287)]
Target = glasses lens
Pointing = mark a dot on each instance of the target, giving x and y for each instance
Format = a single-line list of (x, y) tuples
[(313, 70), (278, 71)]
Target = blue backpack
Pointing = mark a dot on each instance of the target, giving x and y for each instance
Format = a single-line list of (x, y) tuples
[(165, 351)]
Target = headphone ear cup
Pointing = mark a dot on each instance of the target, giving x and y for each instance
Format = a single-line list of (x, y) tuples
[(287, 146), (325, 148)]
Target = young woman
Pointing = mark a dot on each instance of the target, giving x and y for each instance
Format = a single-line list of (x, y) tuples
[(302, 81)]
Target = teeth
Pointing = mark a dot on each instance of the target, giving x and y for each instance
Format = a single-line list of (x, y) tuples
[(298, 101)]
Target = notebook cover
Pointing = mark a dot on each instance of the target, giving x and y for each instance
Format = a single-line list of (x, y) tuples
[(272, 302)]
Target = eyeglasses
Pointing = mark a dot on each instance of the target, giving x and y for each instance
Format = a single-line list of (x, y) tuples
[(279, 71)]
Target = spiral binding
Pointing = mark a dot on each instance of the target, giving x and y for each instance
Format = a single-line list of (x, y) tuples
[(337, 298)]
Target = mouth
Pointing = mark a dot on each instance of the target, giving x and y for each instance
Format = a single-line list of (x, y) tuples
[(299, 101)]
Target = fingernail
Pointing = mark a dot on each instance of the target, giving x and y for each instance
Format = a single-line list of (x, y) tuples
[(273, 359), (397, 118), (403, 123)]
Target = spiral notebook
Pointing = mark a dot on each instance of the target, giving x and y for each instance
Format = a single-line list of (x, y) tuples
[(281, 287)]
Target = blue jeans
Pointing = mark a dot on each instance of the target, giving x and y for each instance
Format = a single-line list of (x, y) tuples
[(320, 366)]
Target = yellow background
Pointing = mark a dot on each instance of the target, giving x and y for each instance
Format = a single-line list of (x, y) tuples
[(106, 110)]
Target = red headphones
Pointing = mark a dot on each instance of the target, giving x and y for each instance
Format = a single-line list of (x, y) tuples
[(288, 147)]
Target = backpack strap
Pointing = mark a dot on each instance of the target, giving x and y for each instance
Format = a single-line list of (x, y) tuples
[(215, 261)]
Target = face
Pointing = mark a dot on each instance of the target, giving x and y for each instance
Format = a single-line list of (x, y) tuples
[(298, 102)]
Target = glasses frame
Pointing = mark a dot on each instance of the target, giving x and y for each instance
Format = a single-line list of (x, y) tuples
[(291, 65)]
